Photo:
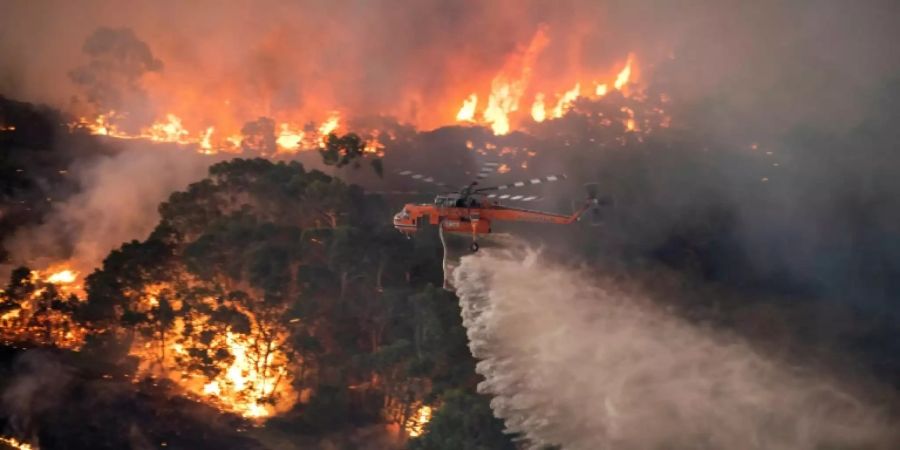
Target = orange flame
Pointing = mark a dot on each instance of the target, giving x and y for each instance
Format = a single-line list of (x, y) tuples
[(624, 76), (416, 424), (289, 139), (16, 444), (566, 100), (467, 111), (538, 113)]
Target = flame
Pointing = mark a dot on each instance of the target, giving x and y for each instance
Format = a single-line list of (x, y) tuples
[(566, 100), (251, 376), (329, 126), (171, 130), (210, 117), (467, 111), (289, 139), (508, 87), (205, 142), (537, 109), (64, 276), (7, 127), (16, 444), (373, 145), (624, 76), (415, 426), (629, 122), (35, 319)]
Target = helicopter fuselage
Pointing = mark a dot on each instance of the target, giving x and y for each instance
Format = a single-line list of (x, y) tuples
[(466, 214)]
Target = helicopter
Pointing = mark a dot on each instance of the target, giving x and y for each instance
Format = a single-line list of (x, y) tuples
[(473, 209)]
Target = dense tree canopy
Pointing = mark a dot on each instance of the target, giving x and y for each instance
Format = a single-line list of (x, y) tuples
[(337, 309)]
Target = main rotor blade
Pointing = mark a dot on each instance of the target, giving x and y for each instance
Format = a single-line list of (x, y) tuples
[(517, 198), (401, 193), (524, 183), (487, 169), (421, 177)]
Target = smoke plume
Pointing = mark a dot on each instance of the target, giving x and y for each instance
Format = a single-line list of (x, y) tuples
[(116, 202), (575, 360), (117, 61)]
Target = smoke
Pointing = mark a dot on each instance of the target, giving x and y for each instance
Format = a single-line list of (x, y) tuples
[(111, 78), (37, 385), (576, 360), (116, 202), (796, 60)]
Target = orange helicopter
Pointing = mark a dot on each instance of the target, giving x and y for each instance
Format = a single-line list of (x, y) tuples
[(473, 209)]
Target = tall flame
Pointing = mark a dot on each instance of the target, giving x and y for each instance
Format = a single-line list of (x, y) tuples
[(467, 111), (538, 112), (624, 76), (566, 100)]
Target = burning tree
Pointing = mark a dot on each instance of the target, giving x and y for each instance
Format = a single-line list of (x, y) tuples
[(266, 284)]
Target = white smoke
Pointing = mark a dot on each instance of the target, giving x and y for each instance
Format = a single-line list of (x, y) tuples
[(572, 361), (117, 202)]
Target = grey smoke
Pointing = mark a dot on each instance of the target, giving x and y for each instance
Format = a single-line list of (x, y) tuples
[(575, 360), (110, 80), (37, 385), (117, 202)]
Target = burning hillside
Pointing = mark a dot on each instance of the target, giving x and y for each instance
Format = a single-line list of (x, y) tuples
[(515, 97), (197, 240)]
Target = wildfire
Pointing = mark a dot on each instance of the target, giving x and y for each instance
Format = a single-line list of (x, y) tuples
[(467, 111), (169, 131), (416, 424), (513, 83), (248, 372), (37, 310), (65, 276), (538, 113), (16, 444), (624, 76), (566, 100), (243, 387), (289, 138), (212, 121), (329, 126)]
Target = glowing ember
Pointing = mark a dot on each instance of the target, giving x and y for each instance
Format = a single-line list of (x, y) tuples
[(601, 90), (629, 122), (16, 444), (415, 426), (467, 111)]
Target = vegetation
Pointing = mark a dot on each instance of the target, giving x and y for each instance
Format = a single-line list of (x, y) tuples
[(331, 305)]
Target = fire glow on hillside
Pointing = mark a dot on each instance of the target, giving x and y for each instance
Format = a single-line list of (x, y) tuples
[(250, 371), (514, 98)]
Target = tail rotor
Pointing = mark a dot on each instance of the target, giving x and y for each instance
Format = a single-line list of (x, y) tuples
[(598, 203)]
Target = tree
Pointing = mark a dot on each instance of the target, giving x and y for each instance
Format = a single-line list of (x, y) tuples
[(464, 421)]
